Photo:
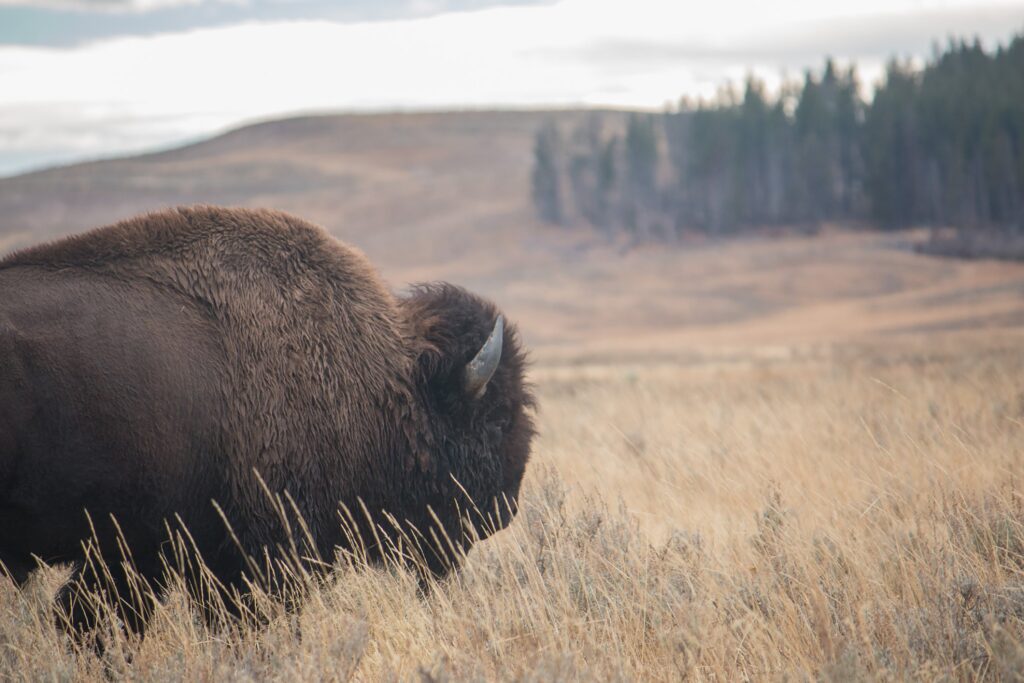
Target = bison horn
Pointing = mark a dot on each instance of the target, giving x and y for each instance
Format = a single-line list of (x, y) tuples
[(480, 370)]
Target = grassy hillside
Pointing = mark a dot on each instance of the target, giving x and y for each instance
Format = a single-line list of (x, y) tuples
[(393, 184), (445, 196)]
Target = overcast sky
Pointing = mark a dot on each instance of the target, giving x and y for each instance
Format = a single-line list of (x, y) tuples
[(86, 78)]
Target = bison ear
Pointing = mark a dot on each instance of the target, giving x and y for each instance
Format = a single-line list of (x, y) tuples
[(479, 371)]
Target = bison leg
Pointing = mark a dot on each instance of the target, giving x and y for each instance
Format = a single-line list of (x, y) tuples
[(73, 610), (88, 599)]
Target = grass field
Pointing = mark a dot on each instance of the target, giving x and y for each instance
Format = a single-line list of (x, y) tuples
[(850, 514), (772, 457)]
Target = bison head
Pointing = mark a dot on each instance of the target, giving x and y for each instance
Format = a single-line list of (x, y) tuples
[(469, 376)]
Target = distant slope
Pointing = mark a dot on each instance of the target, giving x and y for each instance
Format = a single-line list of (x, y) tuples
[(445, 195), (359, 175)]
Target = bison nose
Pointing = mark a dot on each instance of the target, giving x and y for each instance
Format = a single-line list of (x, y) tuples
[(508, 513), (498, 516)]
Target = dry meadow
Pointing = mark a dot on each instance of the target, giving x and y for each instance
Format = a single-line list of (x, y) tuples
[(776, 457), (847, 513)]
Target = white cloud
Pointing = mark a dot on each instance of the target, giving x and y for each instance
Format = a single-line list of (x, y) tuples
[(133, 92), (112, 6)]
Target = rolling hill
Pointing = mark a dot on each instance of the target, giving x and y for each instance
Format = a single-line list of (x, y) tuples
[(445, 196)]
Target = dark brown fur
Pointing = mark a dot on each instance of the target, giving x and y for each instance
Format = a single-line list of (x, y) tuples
[(149, 367)]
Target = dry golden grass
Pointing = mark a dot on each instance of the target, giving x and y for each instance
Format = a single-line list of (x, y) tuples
[(855, 514), (766, 500)]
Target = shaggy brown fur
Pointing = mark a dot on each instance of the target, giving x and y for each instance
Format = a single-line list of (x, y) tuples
[(149, 367)]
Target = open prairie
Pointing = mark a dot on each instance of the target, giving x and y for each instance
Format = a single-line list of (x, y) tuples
[(781, 457)]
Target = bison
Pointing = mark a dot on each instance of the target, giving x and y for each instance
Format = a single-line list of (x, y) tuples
[(192, 369)]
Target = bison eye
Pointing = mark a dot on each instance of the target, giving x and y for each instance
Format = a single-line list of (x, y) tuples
[(479, 371)]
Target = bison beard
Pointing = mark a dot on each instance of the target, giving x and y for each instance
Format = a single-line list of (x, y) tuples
[(204, 365)]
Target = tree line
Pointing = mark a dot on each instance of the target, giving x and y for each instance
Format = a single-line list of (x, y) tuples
[(941, 145)]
